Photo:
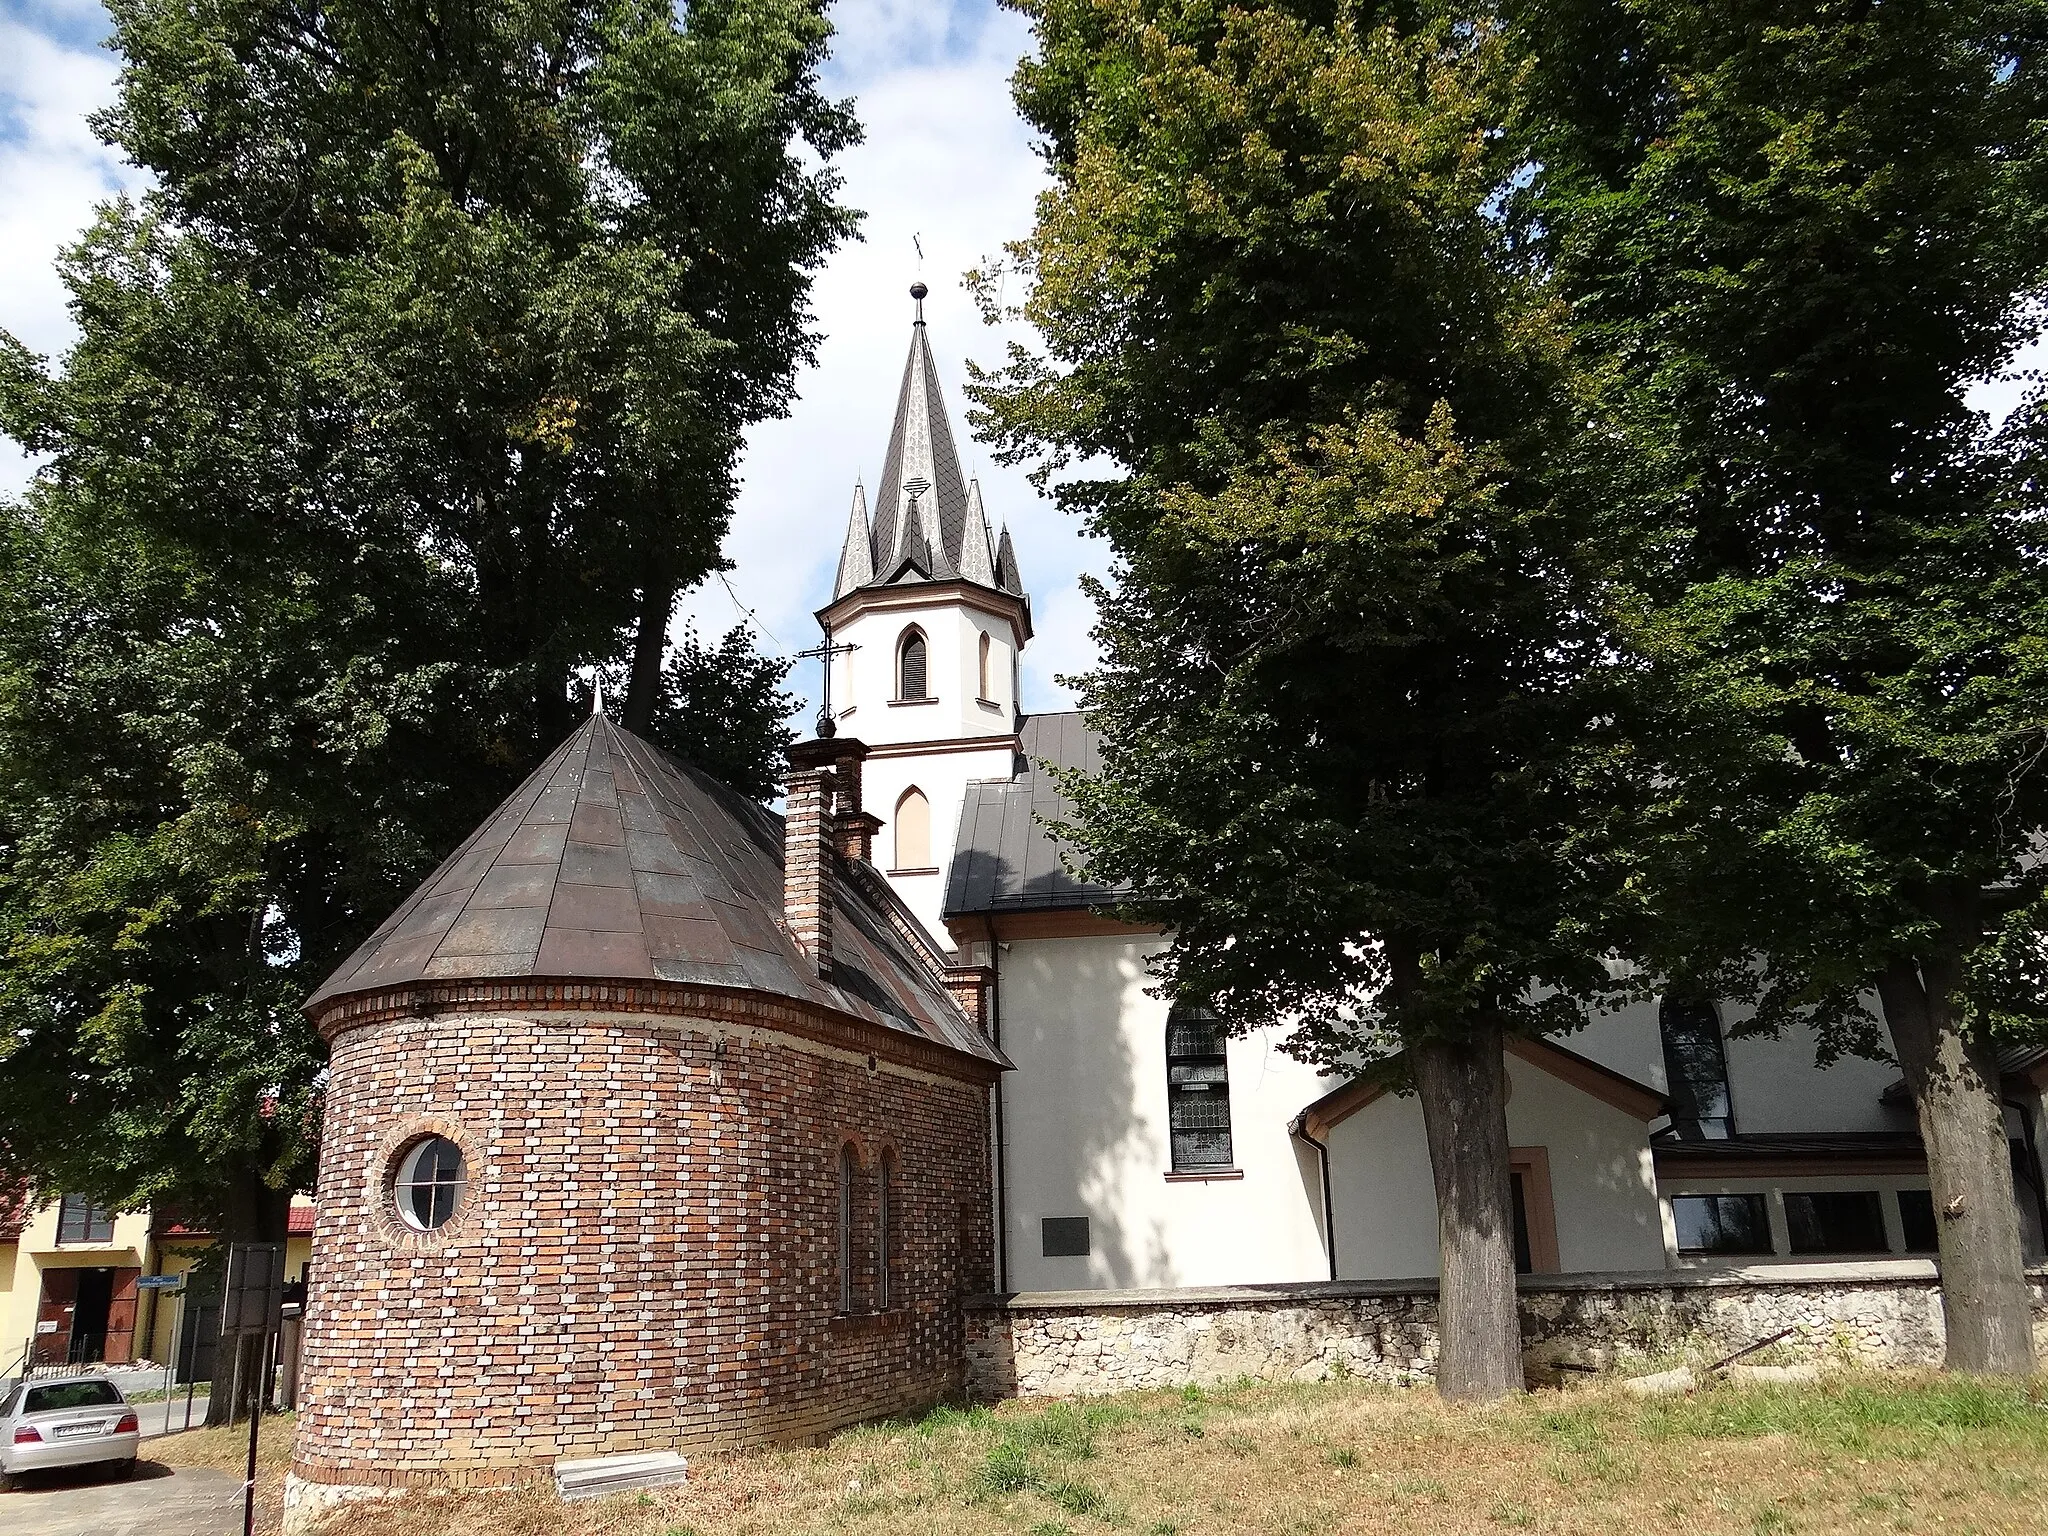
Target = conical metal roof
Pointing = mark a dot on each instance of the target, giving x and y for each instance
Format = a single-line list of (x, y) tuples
[(616, 861), (927, 517)]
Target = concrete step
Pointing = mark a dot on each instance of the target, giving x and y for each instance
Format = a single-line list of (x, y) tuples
[(593, 1477)]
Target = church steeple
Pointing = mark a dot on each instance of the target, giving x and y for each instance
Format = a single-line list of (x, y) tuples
[(927, 621), (856, 555), (928, 520)]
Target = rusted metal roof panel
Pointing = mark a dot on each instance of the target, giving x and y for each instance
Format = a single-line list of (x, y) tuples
[(615, 861)]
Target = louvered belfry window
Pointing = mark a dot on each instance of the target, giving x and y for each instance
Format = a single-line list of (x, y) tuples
[(910, 674), (1197, 1089)]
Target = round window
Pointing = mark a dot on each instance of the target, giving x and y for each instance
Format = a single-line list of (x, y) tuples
[(428, 1184)]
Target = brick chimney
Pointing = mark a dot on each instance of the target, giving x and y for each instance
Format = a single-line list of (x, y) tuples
[(823, 823)]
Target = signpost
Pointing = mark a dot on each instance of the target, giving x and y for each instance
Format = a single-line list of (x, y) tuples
[(174, 1286), (251, 1303)]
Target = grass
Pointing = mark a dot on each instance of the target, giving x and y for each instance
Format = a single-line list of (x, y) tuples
[(1947, 1456), (227, 1450)]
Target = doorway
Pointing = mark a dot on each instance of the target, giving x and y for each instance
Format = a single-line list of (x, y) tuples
[(89, 1317)]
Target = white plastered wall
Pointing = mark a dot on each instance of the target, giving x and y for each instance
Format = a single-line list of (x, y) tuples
[(1086, 1125), (1603, 1188), (1773, 1083), (866, 708)]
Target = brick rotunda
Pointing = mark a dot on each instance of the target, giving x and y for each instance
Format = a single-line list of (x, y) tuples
[(654, 1122)]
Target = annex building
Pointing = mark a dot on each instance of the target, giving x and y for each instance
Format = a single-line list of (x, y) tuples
[(658, 1121)]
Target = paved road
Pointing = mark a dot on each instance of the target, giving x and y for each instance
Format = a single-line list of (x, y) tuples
[(192, 1501)]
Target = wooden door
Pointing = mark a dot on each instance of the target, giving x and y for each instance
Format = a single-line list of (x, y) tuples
[(121, 1317), (54, 1313)]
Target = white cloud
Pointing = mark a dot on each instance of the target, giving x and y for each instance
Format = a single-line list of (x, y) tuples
[(52, 174)]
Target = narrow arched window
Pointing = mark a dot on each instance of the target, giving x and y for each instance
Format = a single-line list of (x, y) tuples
[(848, 1166), (986, 681), (913, 830), (911, 671), (1696, 1066), (1197, 1089), (885, 1237)]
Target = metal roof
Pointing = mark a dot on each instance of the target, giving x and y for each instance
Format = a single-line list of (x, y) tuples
[(616, 861), (928, 519), (1004, 859)]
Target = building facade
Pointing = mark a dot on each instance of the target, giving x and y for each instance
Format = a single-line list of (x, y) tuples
[(70, 1292), (1140, 1150), (654, 1121)]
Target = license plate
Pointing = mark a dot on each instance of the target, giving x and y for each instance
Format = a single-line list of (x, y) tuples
[(73, 1431)]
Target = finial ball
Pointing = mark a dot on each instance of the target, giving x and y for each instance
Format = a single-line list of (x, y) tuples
[(918, 290)]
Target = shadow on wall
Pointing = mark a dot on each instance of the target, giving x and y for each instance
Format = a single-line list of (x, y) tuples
[(1081, 1140)]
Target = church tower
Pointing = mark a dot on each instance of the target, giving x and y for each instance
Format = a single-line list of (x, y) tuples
[(930, 600)]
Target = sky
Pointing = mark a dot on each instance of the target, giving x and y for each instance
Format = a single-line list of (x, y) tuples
[(945, 160)]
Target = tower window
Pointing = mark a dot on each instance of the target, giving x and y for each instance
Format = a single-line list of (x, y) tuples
[(913, 831), (885, 1201), (1197, 1089), (911, 671), (847, 1168), (986, 682), (1697, 1067)]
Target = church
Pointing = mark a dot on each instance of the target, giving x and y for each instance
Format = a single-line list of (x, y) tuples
[(657, 1121)]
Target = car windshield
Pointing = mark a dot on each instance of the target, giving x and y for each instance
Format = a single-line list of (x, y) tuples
[(70, 1394)]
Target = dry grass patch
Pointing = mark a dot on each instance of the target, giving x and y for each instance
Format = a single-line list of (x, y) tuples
[(1860, 1454), (227, 1450)]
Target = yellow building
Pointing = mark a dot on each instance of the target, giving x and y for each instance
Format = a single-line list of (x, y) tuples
[(70, 1292)]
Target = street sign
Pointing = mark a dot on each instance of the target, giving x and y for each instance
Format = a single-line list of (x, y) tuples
[(159, 1282)]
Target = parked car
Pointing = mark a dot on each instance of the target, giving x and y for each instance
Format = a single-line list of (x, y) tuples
[(66, 1421)]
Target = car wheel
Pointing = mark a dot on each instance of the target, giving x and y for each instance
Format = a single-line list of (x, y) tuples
[(7, 1484), (125, 1469)]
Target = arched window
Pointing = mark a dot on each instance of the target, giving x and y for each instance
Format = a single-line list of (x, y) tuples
[(848, 1165), (885, 1215), (911, 671), (1197, 1089), (987, 682), (913, 830), (1696, 1065)]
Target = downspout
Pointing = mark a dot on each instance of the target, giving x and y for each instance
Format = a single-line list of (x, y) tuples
[(1299, 1127), (1002, 1180)]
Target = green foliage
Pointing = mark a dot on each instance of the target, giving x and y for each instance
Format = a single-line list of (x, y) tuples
[(1791, 237), (415, 384), (1358, 557), (723, 707)]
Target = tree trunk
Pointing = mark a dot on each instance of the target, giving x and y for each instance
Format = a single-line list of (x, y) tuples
[(1463, 1085), (1954, 1080), (650, 643)]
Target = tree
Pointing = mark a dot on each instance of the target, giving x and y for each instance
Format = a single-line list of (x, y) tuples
[(415, 383), (1791, 235), (724, 709), (1353, 609)]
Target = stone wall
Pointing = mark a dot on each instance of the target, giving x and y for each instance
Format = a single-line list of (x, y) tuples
[(1081, 1343), (646, 1255)]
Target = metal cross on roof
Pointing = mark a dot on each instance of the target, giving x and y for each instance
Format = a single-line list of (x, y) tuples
[(827, 727)]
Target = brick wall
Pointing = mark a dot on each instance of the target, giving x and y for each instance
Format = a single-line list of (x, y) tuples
[(647, 1252)]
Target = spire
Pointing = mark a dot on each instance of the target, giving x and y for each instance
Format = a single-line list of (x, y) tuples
[(1006, 565), (596, 693), (857, 554), (922, 467), (912, 552), (977, 553)]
